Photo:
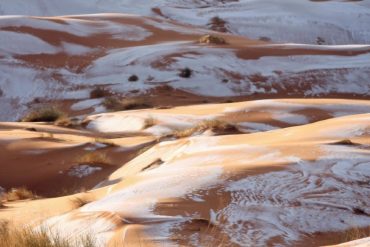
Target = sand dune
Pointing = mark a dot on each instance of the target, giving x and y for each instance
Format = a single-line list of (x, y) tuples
[(65, 58), (187, 122), (278, 186)]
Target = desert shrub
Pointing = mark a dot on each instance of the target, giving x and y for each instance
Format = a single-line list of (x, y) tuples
[(265, 39), (44, 114), (133, 78), (94, 158), (67, 122), (112, 103), (320, 41), (212, 39), (134, 103), (20, 193), (217, 24), (98, 92), (185, 73), (215, 125), (116, 104)]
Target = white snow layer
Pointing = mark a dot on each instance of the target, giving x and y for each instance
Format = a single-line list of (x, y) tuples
[(336, 22)]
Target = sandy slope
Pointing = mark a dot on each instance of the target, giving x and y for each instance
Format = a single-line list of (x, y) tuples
[(54, 161), (294, 186)]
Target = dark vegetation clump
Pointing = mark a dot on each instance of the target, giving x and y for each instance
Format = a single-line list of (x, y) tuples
[(116, 104), (133, 78), (217, 24), (185, 73), (98, 92), (320, 41), (265, 39), (44, 114)]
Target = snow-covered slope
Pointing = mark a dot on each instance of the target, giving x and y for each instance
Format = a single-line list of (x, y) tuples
[(302, 21), (65, 58), (248, 117), (297, 175), (277, 187)]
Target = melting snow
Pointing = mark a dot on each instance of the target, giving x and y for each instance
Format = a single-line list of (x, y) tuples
[(81, 171)]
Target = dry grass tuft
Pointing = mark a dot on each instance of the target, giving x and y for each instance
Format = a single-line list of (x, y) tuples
[(116, 104), (356, 233), (65, 121), (11, 236), (78, 202), (44, 114), (212, 39), (214, 125), (93, 158), (149, 122), (21, 193)]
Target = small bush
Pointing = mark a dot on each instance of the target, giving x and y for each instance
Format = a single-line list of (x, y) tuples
[(112, 103), (45, 114), (265, 39), (320, 41), (212, 39), (66, 122), (215, 125), (98, 92), (115, 104), (217, 24), (94, 158), (185, 73), (133, 78), (134, 103), (21, 193)]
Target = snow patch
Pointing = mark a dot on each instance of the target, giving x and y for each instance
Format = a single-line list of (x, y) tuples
[(81, 171)]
